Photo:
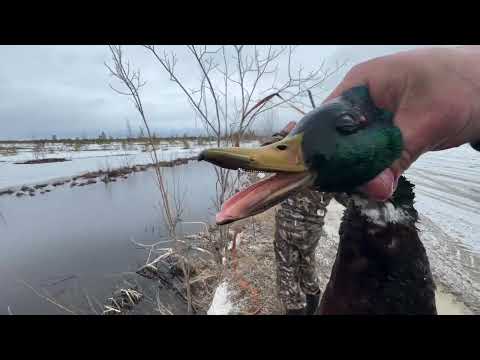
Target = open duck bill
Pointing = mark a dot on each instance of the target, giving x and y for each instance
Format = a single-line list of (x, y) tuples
[(283, 158)]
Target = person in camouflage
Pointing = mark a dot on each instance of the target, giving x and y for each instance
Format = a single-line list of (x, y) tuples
[(298, 227)]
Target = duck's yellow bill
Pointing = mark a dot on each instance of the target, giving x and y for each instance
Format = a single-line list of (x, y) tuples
[(282, 156)]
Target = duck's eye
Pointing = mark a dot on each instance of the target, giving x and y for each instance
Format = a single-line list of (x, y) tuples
[(282, 147), (347, 124)]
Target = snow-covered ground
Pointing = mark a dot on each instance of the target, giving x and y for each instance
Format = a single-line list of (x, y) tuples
[(447, 188), (91, 157)]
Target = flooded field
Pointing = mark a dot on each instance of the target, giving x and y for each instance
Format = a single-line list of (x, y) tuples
[(77, 240)]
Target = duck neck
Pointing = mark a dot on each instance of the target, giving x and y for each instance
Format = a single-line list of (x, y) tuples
[(381, 264), (383, 214), (381, 231)]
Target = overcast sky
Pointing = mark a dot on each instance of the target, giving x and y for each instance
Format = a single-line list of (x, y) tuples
[(64, 90)]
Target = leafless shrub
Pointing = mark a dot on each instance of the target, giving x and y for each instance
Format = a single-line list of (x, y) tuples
[(186, 144), (132, 84), (237, 83), (39, 150), (172, 202), (77, 146)]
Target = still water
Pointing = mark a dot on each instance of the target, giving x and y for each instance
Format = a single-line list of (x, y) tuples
[(76, 240)]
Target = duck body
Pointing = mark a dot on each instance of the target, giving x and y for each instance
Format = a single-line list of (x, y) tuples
[(381, 266)]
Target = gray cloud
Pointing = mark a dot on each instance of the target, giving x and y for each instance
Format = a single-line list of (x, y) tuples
[(64, 90)]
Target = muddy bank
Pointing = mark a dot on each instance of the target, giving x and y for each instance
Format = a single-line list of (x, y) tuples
[(105, 176), (41, 161), (187, 274)]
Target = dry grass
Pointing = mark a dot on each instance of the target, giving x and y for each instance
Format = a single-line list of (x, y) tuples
[(253, 282), (124, 300), (193, 264)]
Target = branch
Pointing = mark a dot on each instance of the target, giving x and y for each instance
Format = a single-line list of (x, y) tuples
[(132, 82), (169, 67), (205, 73)]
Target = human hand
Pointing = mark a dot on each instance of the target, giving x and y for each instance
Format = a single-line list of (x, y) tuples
[(435, 96)]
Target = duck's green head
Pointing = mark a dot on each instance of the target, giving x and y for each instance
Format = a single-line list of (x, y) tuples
[(337, 147)]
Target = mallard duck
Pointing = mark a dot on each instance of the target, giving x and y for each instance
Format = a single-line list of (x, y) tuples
[(381, 265)]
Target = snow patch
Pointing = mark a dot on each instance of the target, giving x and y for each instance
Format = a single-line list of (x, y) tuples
[(333, 219), (448, 192), (221, 304)]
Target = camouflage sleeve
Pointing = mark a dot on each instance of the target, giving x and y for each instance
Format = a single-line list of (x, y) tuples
[(300, 217)]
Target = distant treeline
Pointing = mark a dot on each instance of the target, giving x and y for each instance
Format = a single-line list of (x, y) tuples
[(104, 139)]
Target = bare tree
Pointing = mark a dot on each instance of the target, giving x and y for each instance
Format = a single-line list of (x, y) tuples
[(237, 83), (39, 150), (129, 131), (141, 132), (131, 83)]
